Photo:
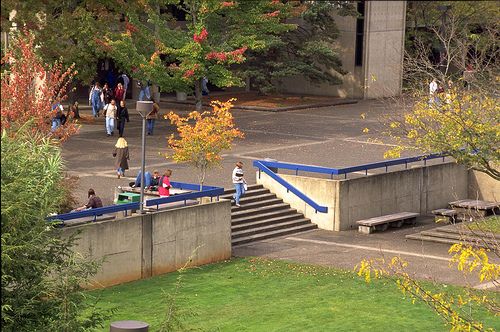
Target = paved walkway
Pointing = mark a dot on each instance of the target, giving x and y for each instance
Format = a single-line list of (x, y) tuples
[(327, 136)]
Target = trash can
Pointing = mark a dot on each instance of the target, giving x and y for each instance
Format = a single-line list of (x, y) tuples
[(129, 326), (125, 198)]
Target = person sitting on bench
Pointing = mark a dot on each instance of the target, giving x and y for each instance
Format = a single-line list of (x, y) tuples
[(150, 181)]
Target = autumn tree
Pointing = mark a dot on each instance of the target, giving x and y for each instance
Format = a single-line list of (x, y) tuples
[(462, 117), (42, 279), (67, 31), (30, 89), (202, 137), (215, 36)]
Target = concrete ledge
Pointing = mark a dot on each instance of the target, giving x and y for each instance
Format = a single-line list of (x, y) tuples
[(273, 109)]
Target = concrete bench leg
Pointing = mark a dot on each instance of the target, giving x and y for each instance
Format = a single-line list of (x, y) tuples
[(397, 224), (365, 229)]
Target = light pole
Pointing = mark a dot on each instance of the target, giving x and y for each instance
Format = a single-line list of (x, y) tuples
[(143, 108)]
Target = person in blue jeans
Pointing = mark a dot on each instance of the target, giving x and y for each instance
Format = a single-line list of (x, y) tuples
[(239, 183), (149, 180), (145, 93), (95, 99)]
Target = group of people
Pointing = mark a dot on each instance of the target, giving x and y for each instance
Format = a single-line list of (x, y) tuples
[(161, 183), (437, 92)]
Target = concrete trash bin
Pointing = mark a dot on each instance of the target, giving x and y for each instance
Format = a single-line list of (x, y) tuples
[(129, 326)]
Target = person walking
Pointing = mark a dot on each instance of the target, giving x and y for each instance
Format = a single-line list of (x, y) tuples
[(151, 118), (433, 89), (145, 93), (110, 117), (107, 93), (239, 183), (164, 184), (126, 81), (95, 99), (119, 93), (122, 117), (122, 156)]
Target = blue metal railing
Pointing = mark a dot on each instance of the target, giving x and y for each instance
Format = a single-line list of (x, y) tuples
[(265, 166), (208, 191), (351, 169), (262, 166)]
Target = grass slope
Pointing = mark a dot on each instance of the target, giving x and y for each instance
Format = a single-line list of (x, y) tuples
[(254, 294)]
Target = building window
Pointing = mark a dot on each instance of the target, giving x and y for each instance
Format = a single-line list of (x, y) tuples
[(360, 31)]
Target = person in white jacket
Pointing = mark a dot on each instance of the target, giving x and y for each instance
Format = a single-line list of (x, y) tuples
[(110, 110), (239, 182)]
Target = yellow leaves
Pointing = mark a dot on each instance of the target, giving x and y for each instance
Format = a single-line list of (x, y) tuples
[(363, 116), (366, 130), (412, 134), (469, 259), (393, 153), (201, 137)]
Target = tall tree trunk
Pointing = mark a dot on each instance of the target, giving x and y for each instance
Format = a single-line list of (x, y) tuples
[(198, 95)]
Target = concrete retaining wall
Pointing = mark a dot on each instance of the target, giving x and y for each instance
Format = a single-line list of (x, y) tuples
[(420, 189), (483, 187), (143, 246)]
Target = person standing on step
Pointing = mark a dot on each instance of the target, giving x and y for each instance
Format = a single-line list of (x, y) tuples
[(239, 182), (122, 156)]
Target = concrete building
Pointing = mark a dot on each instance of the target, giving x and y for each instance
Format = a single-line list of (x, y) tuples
[(371, 48)]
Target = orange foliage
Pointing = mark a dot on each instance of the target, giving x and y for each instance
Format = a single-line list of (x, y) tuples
[(30, 89), (202, 137)]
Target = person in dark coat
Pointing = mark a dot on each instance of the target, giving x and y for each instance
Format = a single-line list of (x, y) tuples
[(122, 156), (122, 116)]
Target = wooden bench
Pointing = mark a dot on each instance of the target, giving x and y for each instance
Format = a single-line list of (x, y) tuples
[(445, 215), (368, 226), (473, 208)]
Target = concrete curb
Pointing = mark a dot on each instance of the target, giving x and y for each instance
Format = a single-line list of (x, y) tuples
[(276, 109)]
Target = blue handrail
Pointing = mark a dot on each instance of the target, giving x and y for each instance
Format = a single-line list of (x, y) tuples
[(208, 191), (263, 167), (350, 169)]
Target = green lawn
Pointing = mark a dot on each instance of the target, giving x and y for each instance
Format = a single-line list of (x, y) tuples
[(254, 294), (490, 224)]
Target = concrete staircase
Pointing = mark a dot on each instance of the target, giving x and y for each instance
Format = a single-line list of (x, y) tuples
[(262, 215), (457, 233)]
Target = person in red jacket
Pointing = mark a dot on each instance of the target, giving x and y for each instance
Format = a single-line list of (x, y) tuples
[(119, 93), (164, 184)]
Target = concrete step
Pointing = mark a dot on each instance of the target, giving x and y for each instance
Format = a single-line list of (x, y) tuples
[(250, 188), (263, 216), (254, 205), (271, 227), (263, 209), (246, 200), (427, 238), (254, 192), (274, 233), (465, 231), (268, 221), (458, 237)]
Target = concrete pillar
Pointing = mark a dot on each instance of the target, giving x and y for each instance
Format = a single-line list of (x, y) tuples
[(384, 48)]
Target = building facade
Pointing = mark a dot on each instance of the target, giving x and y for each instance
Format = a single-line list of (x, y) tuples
[(371, 48)]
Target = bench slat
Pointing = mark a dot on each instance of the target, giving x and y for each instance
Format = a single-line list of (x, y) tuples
[(387, 218)]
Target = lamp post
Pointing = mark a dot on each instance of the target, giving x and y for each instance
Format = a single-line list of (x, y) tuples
[(143, 108)]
